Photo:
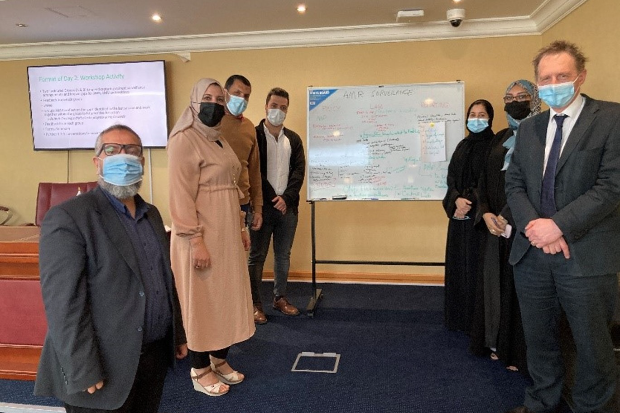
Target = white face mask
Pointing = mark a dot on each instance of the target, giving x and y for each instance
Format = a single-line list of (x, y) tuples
[(276, 117)]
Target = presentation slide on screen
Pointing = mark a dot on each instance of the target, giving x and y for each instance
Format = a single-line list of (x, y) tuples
[(71, 105)]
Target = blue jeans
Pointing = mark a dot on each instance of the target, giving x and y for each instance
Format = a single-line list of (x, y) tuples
[(546, 285), (283, 228)]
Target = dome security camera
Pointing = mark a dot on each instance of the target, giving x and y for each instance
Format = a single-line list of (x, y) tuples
[(455, 16)]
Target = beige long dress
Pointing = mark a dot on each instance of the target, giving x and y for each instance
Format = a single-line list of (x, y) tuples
[(216, 302)]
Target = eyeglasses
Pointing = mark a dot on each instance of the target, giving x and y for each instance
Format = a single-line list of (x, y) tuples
[(521, 97), (115, 148)]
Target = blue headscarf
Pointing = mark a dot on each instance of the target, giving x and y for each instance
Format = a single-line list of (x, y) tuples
[(532, 90)]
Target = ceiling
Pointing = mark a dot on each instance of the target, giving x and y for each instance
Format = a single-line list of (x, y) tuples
[(55, 28)]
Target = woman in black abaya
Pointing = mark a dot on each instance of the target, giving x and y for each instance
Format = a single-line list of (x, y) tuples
[(461, 203), (497, 327)]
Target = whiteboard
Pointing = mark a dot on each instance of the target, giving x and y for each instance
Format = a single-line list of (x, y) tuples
[(391, 142)]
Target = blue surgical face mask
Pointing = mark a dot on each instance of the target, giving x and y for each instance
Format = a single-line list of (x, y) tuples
[(477, 125), (558, 95), (121, 169), (236, 105)]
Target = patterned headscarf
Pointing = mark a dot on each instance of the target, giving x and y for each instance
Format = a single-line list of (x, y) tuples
[(532, 90)]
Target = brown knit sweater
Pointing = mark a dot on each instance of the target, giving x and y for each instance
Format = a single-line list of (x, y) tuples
[(241, 136)]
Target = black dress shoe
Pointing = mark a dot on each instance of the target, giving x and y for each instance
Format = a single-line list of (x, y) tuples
[(520, 409)]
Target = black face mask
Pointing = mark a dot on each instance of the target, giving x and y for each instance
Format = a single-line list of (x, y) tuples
[(518, 110), (211, 113)]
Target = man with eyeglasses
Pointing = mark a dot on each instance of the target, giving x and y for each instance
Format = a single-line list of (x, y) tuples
[(114, 320)]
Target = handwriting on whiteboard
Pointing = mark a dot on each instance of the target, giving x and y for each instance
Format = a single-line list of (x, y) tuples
[(390, 142)]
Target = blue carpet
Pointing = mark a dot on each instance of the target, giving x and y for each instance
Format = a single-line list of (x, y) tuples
[(396, 356)]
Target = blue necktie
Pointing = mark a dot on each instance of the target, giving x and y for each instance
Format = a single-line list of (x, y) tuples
[(547, 196)]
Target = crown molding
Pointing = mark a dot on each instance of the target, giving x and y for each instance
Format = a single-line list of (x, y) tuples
[(547, 15), (553, 11)]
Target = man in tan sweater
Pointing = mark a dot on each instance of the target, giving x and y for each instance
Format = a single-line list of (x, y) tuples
[(240, 133)]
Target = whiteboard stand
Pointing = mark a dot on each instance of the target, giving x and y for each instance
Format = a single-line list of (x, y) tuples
[(317, 293)]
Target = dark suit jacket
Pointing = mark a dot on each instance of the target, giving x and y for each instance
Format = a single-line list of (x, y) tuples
[(94, 302), (587, 186)]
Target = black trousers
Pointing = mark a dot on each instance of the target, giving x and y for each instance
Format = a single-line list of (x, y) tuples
[(200, 359), (145, 394), (546, 286)]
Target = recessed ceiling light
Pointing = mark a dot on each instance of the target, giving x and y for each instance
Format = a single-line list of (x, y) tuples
[(301, 8), (20, 24), (456, 1), (156, 17)]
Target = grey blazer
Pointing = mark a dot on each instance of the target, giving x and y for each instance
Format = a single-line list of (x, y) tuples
[(587, 186), (94, 302)]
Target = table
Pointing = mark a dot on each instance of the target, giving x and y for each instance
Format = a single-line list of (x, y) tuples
[(22, 315)]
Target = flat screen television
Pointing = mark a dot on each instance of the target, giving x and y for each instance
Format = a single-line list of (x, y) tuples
[(71, 104)]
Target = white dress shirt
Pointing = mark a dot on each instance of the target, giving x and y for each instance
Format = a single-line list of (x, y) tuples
[(572, 112), (278, 160)]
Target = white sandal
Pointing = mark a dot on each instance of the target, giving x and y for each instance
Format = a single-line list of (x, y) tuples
[(231, 378), (214, 389)]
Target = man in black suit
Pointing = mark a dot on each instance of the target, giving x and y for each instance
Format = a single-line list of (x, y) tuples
[(563, 188), (114, 321)]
